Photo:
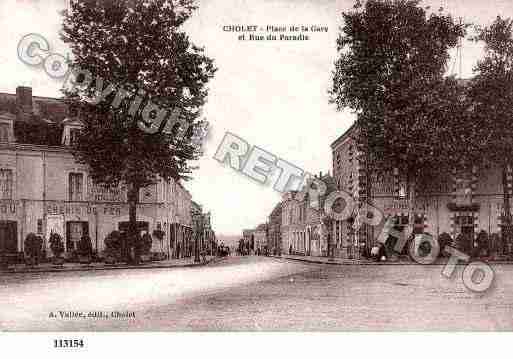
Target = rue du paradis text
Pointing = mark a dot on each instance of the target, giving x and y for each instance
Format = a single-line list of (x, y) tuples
[(274, 32)]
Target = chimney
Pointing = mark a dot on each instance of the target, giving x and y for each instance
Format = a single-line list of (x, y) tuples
[(24, 100)]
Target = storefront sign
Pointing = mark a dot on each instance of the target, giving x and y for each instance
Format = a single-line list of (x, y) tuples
[(403, 205), (70, 209), (82, 209), (112, 210)]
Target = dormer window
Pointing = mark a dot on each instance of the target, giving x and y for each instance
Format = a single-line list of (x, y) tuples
[(74, 134), (71, 131)]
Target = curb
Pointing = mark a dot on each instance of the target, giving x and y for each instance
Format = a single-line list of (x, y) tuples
[(323, 262), (370, 263), (106, 267)]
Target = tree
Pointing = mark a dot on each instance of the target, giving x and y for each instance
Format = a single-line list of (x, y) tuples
[(491, 92), (138, 85), (390, 72)]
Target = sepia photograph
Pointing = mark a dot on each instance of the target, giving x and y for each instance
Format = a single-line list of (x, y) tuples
[(270, 166)]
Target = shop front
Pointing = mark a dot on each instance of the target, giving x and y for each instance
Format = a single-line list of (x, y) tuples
[(75, 230)]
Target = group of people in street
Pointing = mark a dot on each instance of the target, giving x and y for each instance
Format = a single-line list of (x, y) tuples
[(223, 250)]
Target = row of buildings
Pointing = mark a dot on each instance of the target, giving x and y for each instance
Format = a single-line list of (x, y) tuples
[(44, 190), (466, 205)]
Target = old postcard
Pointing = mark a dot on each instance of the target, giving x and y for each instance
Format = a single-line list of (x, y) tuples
[(273, 165)]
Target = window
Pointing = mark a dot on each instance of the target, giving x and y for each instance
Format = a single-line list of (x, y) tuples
[(76, 182), (39, 226), (74, 133), (6, 184), (4, 132)]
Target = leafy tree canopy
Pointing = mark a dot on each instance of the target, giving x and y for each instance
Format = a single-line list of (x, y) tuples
[(491, 91), (137, 48), (392, 59)]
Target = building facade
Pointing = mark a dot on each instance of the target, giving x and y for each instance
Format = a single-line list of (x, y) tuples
[(209, 235), (302, 229), (467, 205), (202, 229), (274, 230), (349, 174), (260, 236), (181, 228), (44, 190)]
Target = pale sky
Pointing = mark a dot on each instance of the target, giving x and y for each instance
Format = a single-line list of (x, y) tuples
[(273, 94)]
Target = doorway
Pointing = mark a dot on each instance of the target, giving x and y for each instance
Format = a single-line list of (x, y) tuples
[(8, 237), (468, 235), (466, 224), (74, 232)]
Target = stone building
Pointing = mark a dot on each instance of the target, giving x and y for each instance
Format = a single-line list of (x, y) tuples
[(260, 236), (462, 204), (181, 229), (202, 228), (302, 231), (44, 190), (274, 230), (349, 175), (210, 239)]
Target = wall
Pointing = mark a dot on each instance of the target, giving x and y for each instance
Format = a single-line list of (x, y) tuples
[(41, 192)]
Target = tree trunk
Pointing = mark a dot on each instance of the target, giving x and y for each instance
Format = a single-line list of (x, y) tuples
[(411, 187), (133, 199)]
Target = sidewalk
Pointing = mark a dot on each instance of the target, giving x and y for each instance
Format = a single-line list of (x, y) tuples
[(400, 261), (324, 260), (70, 267)]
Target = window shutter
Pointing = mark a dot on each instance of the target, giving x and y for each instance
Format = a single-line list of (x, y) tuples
[(70, 186), (80, 183), (68, 233)]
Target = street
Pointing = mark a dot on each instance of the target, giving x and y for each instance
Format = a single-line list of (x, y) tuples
[(253, 294)]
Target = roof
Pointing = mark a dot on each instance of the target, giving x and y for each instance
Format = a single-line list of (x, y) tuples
[(344, 135), (276, 209), (40, 125), (261, 227), (46, 109), (331, 185)]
